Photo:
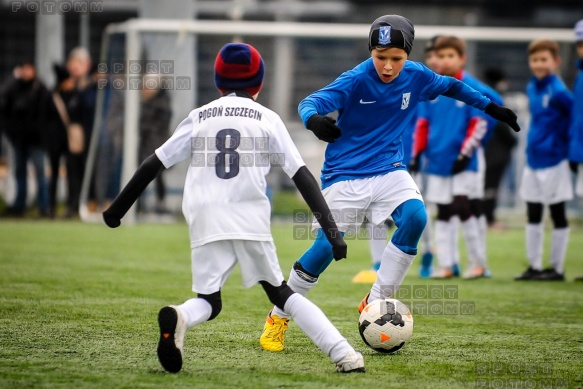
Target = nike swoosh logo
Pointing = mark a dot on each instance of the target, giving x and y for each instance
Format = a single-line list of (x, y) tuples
[(367, 102)]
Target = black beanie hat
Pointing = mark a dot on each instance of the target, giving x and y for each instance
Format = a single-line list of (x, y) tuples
[(392, 31)]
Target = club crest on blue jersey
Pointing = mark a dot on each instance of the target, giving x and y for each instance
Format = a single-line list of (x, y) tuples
[(385, 35), (405, 101)]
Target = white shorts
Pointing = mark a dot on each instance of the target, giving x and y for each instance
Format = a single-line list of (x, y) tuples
[(550, 185), (579, 182), (212, 264), (441, 190), (373, 197)]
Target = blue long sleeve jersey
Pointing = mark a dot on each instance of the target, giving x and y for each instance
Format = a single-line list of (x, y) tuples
[(576, 130), (451, 125), (490, 93), (550, 108), (373, 116)]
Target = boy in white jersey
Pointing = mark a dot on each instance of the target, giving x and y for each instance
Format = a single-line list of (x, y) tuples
[(231, 143)]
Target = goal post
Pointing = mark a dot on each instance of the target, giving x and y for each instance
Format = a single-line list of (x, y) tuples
[(283, 36)]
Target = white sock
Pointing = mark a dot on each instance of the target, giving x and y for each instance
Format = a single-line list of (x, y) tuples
[(534, 245), (483, 231), (426, 235), (195, 311), (559, 243), (454, 225), (298, 285), (443, 243), (377, 241), (316, 325), (471, 232), (390, 275)]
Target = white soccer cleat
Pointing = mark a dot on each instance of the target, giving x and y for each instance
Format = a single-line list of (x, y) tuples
[(351, 363), (171, 343)]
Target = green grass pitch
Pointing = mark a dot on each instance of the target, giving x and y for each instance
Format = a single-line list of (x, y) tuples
[(79, 303)]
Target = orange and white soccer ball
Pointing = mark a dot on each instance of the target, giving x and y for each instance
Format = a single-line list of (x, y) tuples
[(386, 325)]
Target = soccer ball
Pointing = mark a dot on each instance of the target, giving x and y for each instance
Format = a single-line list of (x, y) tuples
[(385, 325)]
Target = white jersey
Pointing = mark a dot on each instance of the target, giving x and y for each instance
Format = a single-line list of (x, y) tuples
[(231, 143)]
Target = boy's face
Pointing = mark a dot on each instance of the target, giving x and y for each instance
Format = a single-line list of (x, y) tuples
[(542, 63), (432, 61), (388, 62), (450, 61), (580, 49)]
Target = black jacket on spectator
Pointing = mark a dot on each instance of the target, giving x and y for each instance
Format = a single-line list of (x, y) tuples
[(22, 108)]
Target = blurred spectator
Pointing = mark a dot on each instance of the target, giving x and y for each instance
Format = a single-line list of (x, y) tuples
[(22, 107), (61, 112), (498, 151), (155, 114), (82, 105)]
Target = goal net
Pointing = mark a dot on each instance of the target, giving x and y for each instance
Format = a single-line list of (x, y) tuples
[(154, 72)]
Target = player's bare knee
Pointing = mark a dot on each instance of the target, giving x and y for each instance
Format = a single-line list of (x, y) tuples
[(214, 299), (278, 295)]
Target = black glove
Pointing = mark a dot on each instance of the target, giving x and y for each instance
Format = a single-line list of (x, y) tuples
[(339, 249), (460, 164), (414, 164), (573, 166), (324, 128), (112, 221), (503, 114)]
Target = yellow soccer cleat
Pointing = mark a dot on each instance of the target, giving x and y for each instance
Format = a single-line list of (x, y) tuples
[(273, 335)]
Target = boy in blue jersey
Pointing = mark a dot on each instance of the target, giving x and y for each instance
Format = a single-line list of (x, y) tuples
[(546, 179), (448, 133), (415, 168), (378, 233), (363, 173), (576, 129), (477, 265)]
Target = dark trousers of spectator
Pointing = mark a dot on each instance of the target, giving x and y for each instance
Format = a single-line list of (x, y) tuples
[(36, 155), (75, 171), (55, 154)]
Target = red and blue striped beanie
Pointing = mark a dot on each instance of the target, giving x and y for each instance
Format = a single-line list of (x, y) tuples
[(239, 67)]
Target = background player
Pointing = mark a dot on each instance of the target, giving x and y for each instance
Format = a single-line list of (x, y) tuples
[(363, 173), (416, 169), (576, 129), (227, 210), (546, 179), (448, 133)]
